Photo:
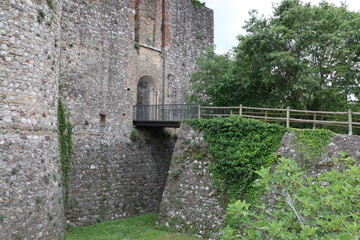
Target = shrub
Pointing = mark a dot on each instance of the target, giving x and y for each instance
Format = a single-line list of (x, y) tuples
[(301, 207), (134, 135), (239, 147)]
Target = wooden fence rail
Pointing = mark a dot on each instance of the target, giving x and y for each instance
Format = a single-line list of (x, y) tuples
[(347, 119)]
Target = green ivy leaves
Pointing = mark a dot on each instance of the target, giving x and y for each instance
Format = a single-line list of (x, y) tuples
[(310, 145), (239, 147), (65, 147)]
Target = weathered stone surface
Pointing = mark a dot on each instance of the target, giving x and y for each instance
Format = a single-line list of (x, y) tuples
[(30, 193), (106, 49), (190, 202), (92, 54), (339, 143), (190, 31), (114, 178)]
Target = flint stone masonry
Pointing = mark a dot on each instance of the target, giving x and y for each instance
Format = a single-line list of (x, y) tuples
[(338, 143), (190, 202), (30, 192), (106, 48), (91, 54), (114, 178)]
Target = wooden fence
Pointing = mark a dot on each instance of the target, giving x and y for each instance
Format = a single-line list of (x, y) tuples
[(347, 119)]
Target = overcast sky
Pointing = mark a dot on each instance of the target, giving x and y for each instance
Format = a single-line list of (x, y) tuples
[(231, 14)]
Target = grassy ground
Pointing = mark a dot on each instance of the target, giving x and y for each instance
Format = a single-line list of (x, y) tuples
[(135, 228)]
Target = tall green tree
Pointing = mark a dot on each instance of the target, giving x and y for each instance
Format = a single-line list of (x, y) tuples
[(213, 79), (304, 56)]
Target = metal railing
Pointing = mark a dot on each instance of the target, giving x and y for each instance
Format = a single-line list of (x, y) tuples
[(290, 117), (167, 112)]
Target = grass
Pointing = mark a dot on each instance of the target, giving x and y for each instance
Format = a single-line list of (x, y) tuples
[(135, 228)]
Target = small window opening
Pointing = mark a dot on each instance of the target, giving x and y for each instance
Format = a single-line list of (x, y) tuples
[(102, 117)]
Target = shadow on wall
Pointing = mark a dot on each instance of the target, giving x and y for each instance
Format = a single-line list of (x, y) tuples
[(114, 179)]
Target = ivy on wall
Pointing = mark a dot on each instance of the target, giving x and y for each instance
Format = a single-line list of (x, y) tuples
[(65, 147), (310, 145), (239, 147)]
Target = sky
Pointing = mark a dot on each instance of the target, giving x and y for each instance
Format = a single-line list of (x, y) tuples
[(230, 16)]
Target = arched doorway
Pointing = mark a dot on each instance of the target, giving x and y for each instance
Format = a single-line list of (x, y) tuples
[(146, 99)]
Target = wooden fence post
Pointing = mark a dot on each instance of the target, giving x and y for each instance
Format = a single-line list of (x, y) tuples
[(240, 110), (314, 124), (266, 115), (199, 111), (288, 117), (350, 122)]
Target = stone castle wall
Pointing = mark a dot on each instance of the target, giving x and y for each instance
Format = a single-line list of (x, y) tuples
[(190, 202), (30, 181), (191, 32), (106, 48), (91, 54)]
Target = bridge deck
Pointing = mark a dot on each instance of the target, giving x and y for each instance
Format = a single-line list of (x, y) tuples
[(168, 115)]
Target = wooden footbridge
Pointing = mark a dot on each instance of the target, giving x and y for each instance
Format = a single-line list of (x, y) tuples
[(170, 115)]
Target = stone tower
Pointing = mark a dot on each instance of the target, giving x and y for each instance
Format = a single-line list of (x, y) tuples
[(100, 58), (30, 181)]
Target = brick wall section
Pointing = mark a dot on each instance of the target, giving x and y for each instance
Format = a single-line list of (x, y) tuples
[(30, 191)]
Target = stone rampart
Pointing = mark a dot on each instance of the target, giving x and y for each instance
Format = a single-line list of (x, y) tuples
[(30, 180), (190, 202), (106, 48)]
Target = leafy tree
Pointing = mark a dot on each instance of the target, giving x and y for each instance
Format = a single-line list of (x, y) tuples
[(304, 56), (213, 79), (300, 207)]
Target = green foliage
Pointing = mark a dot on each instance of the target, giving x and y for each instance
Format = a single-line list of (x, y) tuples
[(18, 236), (38, 200), (165, 134), (197, 4), (135, 228), (51, 4), (2, 218), (310, 144), (302, 207), (175, 173), (41, 16), (303, 57), (213, 82), (134, 135), (239, 147), (14, 171), (49, 23), (136, 45), (65, 147)]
